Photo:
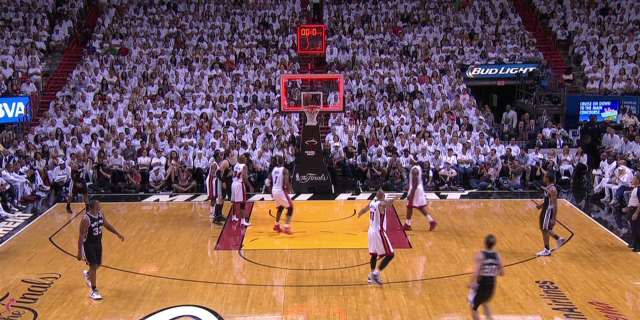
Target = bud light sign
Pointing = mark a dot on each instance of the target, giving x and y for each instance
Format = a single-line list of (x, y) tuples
[(500, 71), (15, 109)]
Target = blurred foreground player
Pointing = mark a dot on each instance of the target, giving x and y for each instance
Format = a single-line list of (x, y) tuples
[(416, 198), (548, 214), (483, 282), (280, 188), (379, 244), (90, 244), (214, 191)]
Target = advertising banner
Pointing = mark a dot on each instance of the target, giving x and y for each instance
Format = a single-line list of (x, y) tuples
[(15, 109), (500, 71), (580, 108)]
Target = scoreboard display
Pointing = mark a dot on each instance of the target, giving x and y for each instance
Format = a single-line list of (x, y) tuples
[(312, 39)]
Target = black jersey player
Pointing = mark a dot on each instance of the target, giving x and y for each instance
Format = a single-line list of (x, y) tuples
[(90, 243), (549, 210), (483, 283), (214, 191), (78, 188)]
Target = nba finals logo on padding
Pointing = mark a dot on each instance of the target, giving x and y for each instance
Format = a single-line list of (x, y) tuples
[(187, 311), (311, 177)]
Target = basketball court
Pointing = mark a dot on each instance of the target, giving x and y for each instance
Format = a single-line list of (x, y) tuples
[(173, 256)]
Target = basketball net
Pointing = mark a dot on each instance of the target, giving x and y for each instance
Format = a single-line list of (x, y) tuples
[(311, 112)]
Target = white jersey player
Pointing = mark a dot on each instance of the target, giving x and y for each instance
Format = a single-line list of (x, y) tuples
[(416, 198), (239, 188), (280, 188), (379, 244)]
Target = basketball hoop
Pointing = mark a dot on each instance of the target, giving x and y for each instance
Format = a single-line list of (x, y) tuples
[(311, 112)]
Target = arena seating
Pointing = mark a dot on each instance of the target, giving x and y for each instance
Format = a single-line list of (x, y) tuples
[(30, 30), (150, 107), (603, 37), (24, 30)]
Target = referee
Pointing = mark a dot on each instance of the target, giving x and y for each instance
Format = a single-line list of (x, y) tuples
[(633, 211)]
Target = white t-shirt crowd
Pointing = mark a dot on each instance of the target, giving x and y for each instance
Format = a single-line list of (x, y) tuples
[(183, 82)]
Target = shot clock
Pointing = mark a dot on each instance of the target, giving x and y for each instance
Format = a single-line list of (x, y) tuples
[(312, 39)]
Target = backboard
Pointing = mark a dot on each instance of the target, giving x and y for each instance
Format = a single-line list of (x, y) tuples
[(323, 90)]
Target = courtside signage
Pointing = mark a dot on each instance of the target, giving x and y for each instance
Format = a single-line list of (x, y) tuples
[(500, 71), (15, 109)]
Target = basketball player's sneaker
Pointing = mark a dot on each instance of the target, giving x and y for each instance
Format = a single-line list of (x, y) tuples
[(234, 218), (375, 277), (287, 230), (406, 227), (276, 228), (85, 275), (370, 278), (432, 225), (95, 295), (560, 242), (544, 253), (219, 220), (245, 223)]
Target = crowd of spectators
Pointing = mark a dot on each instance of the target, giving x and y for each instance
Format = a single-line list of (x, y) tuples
[(69, 17), (30, 29), (603, 36), (163, 89), (166, 88), (402, 62), (24, 35)]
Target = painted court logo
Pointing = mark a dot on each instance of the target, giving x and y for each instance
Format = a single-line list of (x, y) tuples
[(23, 306), (310, 196), (608, 311), (558, 300), (16, 222), (184, 311)]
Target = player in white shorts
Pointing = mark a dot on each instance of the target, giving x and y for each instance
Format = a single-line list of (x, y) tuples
[(239, 188), (379, 244), (416, 198), (280, 188), (214, 191)]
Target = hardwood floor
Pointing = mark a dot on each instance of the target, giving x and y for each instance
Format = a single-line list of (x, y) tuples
[(169, 258)]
